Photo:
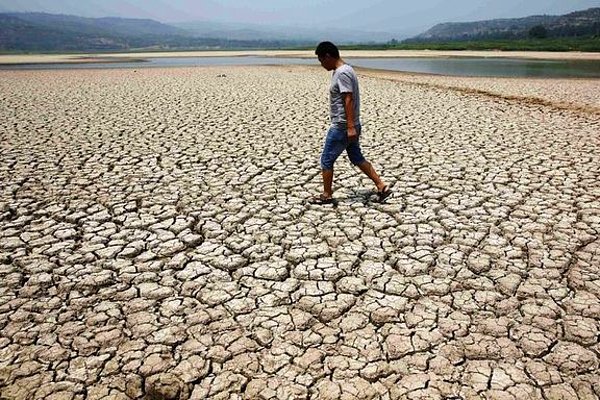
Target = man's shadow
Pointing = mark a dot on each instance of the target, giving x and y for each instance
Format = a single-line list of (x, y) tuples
[(363, 196)]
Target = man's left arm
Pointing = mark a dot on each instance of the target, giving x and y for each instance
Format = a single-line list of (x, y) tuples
[(349, 109)]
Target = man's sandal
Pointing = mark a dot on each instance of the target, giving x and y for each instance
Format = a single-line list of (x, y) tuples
[(383, 194), (321, 200)]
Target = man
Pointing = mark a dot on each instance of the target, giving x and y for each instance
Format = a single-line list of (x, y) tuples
[(344, 132)]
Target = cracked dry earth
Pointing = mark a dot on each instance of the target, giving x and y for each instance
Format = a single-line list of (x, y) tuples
[(155, 244)]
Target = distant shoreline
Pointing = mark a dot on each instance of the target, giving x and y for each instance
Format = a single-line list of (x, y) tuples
[(80, 60), (23, 59)]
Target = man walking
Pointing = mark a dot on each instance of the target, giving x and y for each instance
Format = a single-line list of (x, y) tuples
[(344, 133)]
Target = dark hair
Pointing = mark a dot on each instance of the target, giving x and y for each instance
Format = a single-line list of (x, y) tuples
[(327, 48)]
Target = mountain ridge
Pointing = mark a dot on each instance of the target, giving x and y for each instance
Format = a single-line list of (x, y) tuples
[(62, 32), (240, 31), (577, 23), (104, 25), (33, 31)]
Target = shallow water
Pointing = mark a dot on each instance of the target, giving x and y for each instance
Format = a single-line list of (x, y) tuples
[(501, 67), (504, 67)]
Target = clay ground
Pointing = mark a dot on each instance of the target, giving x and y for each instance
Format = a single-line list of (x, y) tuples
[(155, 241)]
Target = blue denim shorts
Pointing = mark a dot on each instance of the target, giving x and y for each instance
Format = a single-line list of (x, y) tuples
[(336, 142)]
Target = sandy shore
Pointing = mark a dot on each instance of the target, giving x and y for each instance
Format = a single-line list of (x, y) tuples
[(569, 94), (155, 241), (72, 58)]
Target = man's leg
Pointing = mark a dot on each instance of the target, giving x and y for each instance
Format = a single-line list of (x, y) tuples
[(327, 182), (368, 170), (356, 158), (333, 147)]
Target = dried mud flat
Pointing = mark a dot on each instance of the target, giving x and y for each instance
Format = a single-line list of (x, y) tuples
[(155, 244)]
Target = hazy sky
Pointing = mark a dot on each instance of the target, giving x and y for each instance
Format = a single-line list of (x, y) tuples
[(376, 15)]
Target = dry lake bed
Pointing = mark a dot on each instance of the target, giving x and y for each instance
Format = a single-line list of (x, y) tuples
[(155, 242)]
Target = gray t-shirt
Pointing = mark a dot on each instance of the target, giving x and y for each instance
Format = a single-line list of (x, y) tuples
[(344, 80)]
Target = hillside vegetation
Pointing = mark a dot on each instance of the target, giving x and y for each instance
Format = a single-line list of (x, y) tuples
[(577, 24), (50, 32)]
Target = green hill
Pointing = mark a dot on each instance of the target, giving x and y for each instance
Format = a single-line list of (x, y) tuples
[(51, 32), (576, 24)]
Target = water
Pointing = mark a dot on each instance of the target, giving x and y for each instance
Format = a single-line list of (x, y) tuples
[(173, 62), (501, 67)]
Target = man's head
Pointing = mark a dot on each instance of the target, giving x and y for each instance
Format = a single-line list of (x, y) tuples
[(328, 55)]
